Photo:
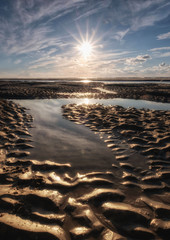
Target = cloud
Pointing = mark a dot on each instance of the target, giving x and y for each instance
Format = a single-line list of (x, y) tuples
[(37, 32), (110, 55), (163, 36), (91, 8), (166, 54), (71, 64), (161, 52), (29, 30), (29, 11), (26, 30), (147, 12), (134, 15), (163, 64), (148, 20), (31, 40), (159, 49), (137, 60), (121, 34), (142, 5), (162, 69)]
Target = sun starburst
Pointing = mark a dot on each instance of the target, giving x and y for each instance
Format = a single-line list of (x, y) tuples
[(85, 49)]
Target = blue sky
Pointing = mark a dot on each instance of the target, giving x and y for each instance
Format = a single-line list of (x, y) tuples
[(42, 38)]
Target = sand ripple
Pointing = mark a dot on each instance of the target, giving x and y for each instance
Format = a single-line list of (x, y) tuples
[(48, 200), (140, 142)]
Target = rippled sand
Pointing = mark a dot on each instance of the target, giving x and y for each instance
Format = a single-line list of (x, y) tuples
[(43, 90), (48, 200)]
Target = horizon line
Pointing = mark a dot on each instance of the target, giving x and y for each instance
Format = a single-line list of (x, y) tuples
[(89, 78)]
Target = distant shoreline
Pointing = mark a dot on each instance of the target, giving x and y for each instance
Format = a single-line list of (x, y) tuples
[(91, 79)]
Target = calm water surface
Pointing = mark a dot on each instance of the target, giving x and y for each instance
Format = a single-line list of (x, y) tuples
[(60, 140)]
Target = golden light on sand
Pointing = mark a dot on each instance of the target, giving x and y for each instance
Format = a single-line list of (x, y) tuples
[(85, 49)]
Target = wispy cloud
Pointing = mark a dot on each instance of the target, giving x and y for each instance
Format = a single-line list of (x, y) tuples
[(30, 11), (148, 18), (162, 69), (163, 36), (93, 8), (135, 15), (24, 31), (38, 36), (166, 54), (159, 49), (121, 34), (160, 52), (32, 40), (71, 63), (137, 6), (137, 60)]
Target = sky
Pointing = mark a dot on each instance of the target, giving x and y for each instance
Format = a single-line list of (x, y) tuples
[(84, 38)]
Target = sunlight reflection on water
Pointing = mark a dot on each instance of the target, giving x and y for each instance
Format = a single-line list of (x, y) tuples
[(122, 102), (85, 81), (58, 139)]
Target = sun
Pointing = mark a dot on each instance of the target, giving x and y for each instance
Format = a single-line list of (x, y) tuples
[(85, 49)]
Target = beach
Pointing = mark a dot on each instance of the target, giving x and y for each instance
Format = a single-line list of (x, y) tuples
[(119, 190), (70, 89)]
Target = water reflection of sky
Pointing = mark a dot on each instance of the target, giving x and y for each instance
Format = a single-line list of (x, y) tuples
[(120, 101), (60, 140)]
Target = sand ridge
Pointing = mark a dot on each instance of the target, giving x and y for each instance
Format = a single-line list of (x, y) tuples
[(140, 141)]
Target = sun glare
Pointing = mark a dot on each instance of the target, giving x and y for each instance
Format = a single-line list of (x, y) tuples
[(86, 101), (85, 81), (85, 49)]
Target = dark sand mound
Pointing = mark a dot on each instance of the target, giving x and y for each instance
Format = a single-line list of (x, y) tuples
[(140, 141), (48, 200), (146, 131)]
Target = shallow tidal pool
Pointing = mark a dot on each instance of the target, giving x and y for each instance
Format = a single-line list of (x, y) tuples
[(57, 139)]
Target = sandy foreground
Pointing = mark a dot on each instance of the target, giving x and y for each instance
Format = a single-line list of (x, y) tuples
[(50, 200)]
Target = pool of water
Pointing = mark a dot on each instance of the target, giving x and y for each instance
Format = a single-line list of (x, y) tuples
[(119, 101), (60, 140)]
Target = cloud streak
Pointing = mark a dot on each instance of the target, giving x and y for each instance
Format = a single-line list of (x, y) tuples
[(164, 36), (159, 49), (121, 34), (134, 15), (32, 40), (29, 11)]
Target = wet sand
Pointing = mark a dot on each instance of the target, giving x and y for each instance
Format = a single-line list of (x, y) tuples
[(44, 90), (50, 200)]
